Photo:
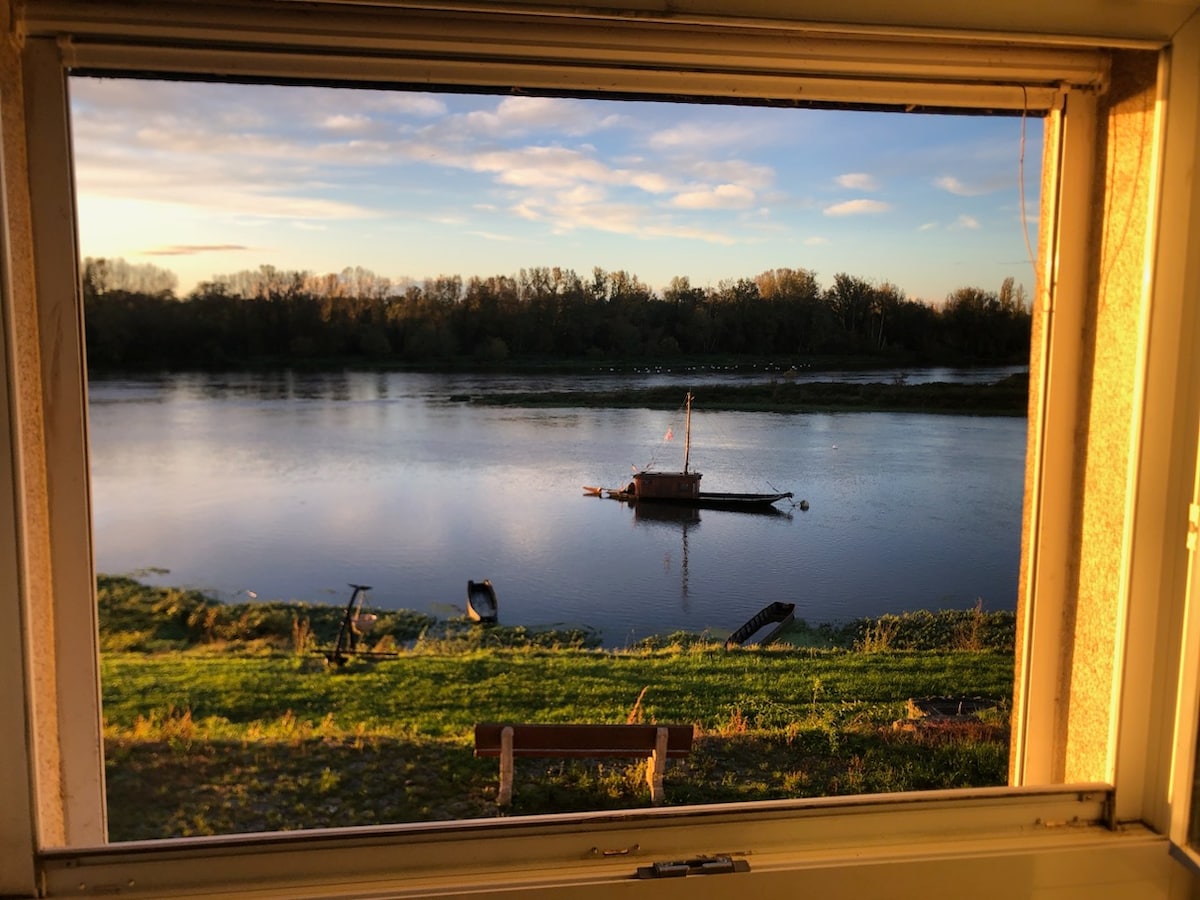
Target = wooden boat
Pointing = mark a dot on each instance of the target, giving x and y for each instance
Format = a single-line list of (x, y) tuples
[(683, 488), (481, 601), (778, 614)]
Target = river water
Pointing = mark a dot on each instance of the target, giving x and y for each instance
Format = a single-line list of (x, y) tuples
[(291, 486)]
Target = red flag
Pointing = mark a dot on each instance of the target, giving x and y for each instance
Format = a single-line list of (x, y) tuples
[(670, 434)]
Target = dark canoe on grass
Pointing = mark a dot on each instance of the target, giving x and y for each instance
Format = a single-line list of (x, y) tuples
[(779, 615), (481, 601)]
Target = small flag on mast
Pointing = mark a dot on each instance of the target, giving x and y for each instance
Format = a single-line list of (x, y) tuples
[(670, 434)]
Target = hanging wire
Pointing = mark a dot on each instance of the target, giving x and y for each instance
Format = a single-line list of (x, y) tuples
[(1021, 186)]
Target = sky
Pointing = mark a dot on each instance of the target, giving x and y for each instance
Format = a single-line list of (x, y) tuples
[(209, 179)]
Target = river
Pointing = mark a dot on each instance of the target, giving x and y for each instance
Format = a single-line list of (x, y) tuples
[(290, 486)]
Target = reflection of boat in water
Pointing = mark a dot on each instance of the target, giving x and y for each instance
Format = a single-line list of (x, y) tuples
[(777, 614), (481, 601), (665, 514), (683, 488)]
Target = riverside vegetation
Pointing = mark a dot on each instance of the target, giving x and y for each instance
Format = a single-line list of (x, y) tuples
[(539, 316), (224, 717)]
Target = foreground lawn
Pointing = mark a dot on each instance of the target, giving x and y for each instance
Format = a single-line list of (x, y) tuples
[(216, 743)]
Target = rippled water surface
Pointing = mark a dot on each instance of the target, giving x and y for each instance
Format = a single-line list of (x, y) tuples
[(292, 486)]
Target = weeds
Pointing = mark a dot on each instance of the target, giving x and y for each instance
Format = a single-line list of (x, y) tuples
[(879, 636), (635, 714), (302, 636), (968, 634)]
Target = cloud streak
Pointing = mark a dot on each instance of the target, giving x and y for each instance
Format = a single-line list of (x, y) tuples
[(858, 181), (977, 188), (857, 208), (190, 249)]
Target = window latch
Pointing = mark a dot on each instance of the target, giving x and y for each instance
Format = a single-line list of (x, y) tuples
[(700, 865)]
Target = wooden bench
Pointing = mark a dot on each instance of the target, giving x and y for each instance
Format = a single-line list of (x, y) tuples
[(655, 742)]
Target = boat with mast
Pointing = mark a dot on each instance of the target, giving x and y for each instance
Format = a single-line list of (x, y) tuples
[(683, 487)]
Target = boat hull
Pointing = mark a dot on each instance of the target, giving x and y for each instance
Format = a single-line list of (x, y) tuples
[(710, 500), (779, 614), (481, 601), (740, 501)]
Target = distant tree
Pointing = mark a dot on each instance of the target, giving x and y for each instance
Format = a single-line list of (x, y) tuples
[(788, 284), (272, 315), (103, 276), (801, 320), (979, 325), (851, 301), (1012, 298)]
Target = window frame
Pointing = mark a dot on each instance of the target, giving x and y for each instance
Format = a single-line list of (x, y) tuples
[(64, 843)]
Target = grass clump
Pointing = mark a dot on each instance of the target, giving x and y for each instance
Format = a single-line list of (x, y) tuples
[(974, 630), (137, 617)]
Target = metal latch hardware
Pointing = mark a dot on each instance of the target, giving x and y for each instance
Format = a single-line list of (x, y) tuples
[(700, 865)]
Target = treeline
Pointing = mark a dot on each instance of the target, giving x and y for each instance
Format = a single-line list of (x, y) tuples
[(268, 316)]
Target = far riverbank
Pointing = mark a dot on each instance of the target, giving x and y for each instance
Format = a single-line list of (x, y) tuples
[(1008, 397)]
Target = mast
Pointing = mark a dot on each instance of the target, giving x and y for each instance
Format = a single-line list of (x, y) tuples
[(687, 433)]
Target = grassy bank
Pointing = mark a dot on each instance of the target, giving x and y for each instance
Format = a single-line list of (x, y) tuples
[(235, 723)]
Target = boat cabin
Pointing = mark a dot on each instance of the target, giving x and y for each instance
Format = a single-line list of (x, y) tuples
[(666, 485)]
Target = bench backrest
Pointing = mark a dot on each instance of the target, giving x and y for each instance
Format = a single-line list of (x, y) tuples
[(582, 741)]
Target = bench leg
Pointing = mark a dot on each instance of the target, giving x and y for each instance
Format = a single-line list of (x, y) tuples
[(656, 765), (504, 798)]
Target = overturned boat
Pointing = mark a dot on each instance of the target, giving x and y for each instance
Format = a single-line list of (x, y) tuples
[(777, 616)]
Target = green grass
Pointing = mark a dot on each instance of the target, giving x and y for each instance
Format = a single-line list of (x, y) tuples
[(232, 725), (160, 788), (210, 744), (445, 695)]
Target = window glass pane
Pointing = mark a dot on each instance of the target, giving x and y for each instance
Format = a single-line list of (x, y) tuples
[(341, 339)]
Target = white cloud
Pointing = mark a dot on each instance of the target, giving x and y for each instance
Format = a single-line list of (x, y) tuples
[(492, 236), (928, 226), (688, 135), (190, 249), (650, 182), (583, 193), (858, 181), (733, 171), (968, 222), (531, 167), (343, 122), (816, 241), (960, 188), (857, 207), (515, 116), (723, 196), (612, 218)]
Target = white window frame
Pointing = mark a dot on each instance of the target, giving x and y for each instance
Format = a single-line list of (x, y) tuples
[(1114, 830)]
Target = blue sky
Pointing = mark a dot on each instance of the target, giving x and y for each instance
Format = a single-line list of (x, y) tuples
[(206, 179)]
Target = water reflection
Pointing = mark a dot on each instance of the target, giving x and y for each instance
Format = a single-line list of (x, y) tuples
[(294, 485)]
